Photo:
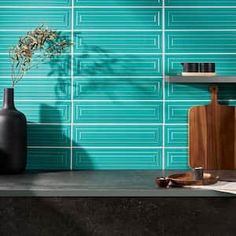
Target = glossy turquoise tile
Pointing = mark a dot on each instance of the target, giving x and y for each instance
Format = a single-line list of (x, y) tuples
[(177, 112), (176, 159), (230, 103), (45, 112), (117, 101), (117, 42), (199, 92), (117, 135), (200, 3), (117, 3), (117, 112), (49, 135), (39, 88), (226, 91), (117, 65), (117, 18), (35, 3), (9, 39), (128, 88), (59, 67), (28, 18), (225, 64), (115, 159), (48, 159), (201, 42), (200, 18), (187, 92), (176, 135)]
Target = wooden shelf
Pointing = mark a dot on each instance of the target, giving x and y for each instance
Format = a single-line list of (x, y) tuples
[(201, 79)]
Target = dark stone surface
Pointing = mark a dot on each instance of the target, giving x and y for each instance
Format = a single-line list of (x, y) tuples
[(106, 183), (117, 216)]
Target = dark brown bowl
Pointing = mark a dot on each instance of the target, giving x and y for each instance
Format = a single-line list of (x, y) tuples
[(162, 182)]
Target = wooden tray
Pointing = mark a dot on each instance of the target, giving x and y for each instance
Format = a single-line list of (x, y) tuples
[(212, 141), (187, 179)]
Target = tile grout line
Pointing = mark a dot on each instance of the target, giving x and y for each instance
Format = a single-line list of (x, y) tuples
[(143, 53), (131, 30), (114, 7), (145, 124), (72, 85), (81, 7), (163, 84), (107, 147)]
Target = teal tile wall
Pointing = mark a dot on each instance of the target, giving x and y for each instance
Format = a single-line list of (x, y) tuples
[(104, 103)]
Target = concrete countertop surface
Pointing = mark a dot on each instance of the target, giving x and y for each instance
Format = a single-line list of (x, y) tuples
[(98, 184)]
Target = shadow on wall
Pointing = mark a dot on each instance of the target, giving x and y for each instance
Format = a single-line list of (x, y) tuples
[(105, 65), (94, 61), (58, 132)]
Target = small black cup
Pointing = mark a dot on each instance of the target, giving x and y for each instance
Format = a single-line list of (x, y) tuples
[(207, 67), (190, 67)]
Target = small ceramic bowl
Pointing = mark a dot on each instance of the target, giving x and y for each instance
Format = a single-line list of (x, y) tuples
[(162, 182)]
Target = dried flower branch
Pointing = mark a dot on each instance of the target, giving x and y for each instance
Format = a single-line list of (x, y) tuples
[(38, 45)]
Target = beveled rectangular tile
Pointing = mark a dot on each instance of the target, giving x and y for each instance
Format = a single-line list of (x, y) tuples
[(198, 91), (48, 159), (39, 88), (117, 3), (118, 88), (10, 39), (117, 135), (177, 112), (49, 135), (117, 42), (46, 112), (117, 112), (114, 159), (59, 67), (28, 18), (117, 18), (200, 3), (117, 65), (200, 18), (201, 42), (176, 159), (35, 3), (225, 64), (176, 136), (187, 91)]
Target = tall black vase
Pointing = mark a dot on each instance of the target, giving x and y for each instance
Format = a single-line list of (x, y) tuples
[(13, 136)]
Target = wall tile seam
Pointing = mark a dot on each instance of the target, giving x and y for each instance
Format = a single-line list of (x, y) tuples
[(90, 30), (72, 87), (110, 124), (199, 7), (97, 100), (81, 7), (131, 30), (110, 53), (163, 84), (109, 147), (35, 7), (86, 76), (201, 30), (117, 7), (144, 53)]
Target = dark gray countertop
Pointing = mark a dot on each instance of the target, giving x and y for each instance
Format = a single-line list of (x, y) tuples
[(94, 184)]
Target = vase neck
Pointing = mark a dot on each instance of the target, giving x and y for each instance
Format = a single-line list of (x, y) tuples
[(8, 100)]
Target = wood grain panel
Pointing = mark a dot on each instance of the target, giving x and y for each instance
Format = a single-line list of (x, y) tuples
[(212, 135)]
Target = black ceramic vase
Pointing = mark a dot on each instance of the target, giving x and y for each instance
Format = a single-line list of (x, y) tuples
[(13, 136)]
